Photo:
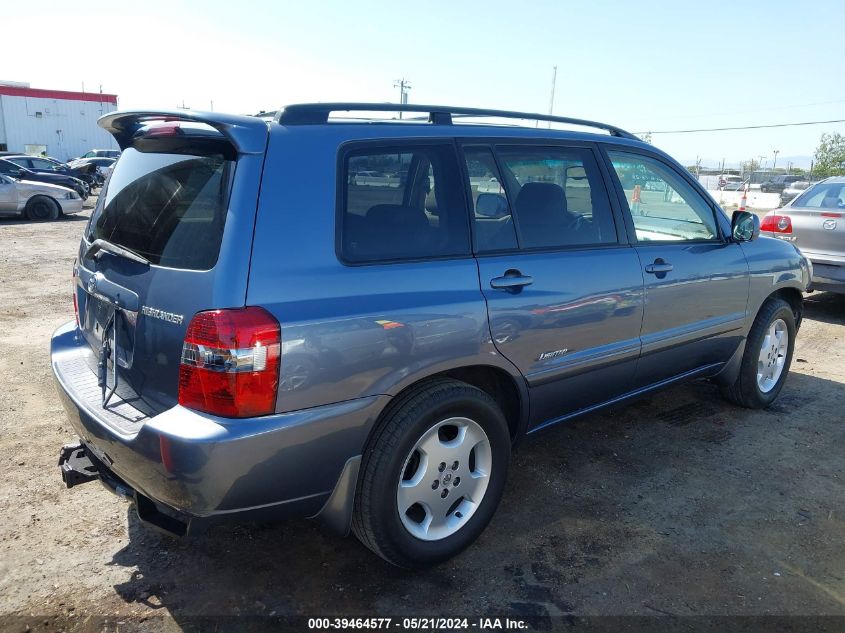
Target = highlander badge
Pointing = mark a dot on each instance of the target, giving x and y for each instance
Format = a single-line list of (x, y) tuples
[(155, 313)]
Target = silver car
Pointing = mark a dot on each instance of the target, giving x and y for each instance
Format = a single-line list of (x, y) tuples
[(36, 200), (815, 222), (793, 191)]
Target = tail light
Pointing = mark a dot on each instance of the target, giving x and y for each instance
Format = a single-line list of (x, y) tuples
[(776, 224), (75, 299), (230, 363)]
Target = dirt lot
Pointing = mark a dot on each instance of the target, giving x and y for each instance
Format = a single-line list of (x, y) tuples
[(679, 504)]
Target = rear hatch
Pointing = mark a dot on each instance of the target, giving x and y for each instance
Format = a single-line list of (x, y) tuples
[(170, 236), (818, 221)]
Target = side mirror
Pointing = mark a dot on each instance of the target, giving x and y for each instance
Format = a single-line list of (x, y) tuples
[(745, 226), (491, 205)]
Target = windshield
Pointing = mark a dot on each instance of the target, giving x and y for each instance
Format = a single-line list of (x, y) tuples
[(168, 207)]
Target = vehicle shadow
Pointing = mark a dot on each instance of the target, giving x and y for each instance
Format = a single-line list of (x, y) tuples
[(827, 307), (622, 503)]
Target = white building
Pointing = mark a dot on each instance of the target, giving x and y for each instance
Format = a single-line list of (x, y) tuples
[(55, 123)]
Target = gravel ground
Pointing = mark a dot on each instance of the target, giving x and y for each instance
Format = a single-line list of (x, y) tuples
[(679, 504)]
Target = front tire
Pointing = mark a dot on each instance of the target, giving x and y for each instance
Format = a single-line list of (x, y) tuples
[(41, 208), (767, 357), (433, 474)]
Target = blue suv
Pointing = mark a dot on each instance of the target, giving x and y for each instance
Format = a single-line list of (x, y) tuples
[(355, 320)]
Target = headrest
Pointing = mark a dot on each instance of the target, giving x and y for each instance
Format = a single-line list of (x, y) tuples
[(541, 198)]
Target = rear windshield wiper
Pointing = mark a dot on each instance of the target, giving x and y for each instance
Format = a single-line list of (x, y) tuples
[(114, 249)]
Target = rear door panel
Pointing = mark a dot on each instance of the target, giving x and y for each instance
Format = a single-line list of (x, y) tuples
[(573, 331)]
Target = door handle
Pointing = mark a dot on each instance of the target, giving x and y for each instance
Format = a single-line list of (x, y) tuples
[(512, 281), (659, 267)]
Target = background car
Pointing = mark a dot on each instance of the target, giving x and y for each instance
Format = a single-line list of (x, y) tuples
[(793, 190), (45, 165), (100, 166), (815, 222), (730, 182), (8, 168), (776, 184), (36, 200), (101, 153)]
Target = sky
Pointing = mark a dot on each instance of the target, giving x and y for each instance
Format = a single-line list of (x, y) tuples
[(639, 65)]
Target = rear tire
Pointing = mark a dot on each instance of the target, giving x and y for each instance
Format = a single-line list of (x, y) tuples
[(767, 357), (41, 208), (433, 474)]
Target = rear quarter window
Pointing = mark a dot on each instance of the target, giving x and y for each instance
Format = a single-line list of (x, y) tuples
[(402, 203)]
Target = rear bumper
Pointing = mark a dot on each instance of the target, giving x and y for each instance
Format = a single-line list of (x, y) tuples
[(828, 275), (206, 468)]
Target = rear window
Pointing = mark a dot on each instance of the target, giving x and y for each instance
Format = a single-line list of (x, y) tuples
[(829, 195), (168, 207)]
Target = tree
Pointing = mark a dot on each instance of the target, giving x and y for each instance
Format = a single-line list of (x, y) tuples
[(830, 156), (749, 166)]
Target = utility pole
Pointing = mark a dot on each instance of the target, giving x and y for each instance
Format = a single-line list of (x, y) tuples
[(552, 99), (404, 86)]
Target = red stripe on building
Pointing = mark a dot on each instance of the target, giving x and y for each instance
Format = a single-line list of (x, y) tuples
[(15, 91)]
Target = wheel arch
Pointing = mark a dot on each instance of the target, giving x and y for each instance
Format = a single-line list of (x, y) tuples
[(43, 196), (508, 390), (510, 393), (793, 296)]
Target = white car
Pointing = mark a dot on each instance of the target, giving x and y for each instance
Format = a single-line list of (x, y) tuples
[(101, 153), (36, 200)]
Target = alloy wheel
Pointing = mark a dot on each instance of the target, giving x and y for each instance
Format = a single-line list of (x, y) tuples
[(444, 478)]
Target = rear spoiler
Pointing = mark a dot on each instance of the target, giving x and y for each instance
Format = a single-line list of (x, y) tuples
[(247, 134)]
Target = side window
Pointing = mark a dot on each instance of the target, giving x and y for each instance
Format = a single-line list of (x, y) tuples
[(493, 223), (42, 165), (559, 198), (403, 203), (663, 205)]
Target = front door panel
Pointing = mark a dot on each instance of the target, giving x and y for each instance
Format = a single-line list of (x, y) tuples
[(694, 313), (696, 280)]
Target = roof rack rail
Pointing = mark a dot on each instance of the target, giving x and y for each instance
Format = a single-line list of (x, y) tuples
[(318, 113)]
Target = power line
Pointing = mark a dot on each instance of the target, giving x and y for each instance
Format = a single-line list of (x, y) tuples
[(743, 127), (754, 111)]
